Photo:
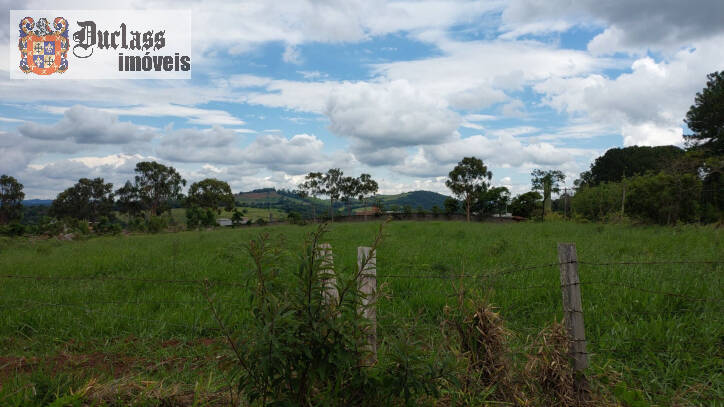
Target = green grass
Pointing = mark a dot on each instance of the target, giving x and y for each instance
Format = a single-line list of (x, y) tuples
[(179, 214), (656, 347)]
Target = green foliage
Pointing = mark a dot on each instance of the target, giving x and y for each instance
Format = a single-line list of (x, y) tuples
[(294, 218), (12, 229), (662, 198), (451, 206), (492, 201), (128, 200), (236, 218), (11, 199), (156, 224), (303, 349), (596, 203), (629, 161), (547, 182), (435, 211), (200, 217), (157, 186), (88, 199), (210, 193), (527, 205), (706, 117), (467, 180)]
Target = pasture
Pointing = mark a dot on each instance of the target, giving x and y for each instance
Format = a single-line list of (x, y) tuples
[(125, 315)]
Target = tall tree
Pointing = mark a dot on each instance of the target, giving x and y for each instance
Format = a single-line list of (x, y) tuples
[(211, 194), (88, 199), (705, 117), (326, 184), (11, 199), (158, 184), (548, 182), (349, 190), (127, 200), (367, 188), (468, 180)]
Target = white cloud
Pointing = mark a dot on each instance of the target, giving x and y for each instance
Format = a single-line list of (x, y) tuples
[(649, 103), (87, 126), (391, 114)]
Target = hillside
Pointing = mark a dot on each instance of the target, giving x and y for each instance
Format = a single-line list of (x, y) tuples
[(287, 201)]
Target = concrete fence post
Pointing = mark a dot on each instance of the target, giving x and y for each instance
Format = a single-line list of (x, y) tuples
[(326, 274), (368, 287)]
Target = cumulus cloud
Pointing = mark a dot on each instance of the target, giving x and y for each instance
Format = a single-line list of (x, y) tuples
[(629, 26), (46, 180), (84, 125), (214, 145), (392, 114), (649, 103)]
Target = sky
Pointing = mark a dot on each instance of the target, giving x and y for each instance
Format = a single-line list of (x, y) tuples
[(402, 90)]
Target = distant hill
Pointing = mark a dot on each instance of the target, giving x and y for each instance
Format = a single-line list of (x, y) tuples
[(37, 202), (415, 199), (289, 202)]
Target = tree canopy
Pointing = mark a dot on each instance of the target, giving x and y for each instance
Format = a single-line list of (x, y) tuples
[(467, 180), (11, 199), (88, 199), (210, 193), (157, 184), (548, 182), (705, 117), (616, 163)]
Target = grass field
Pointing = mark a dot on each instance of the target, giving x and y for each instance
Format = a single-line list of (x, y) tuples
[(63, 337), (179, 214)]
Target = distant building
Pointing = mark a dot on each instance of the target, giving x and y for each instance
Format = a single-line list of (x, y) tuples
[(223, 222)]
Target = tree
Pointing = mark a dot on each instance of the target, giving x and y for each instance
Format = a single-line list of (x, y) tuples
[(157, 184), (211, 194), (526, 204), (349, 189), (705, 117), (451, 206), (548, 182), (328, 184), (128, 201), (367, 187), (11, 199), (88, 199), (494, 200), (467, 180), (616, 163)]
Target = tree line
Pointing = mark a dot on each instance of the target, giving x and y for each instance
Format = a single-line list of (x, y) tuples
[(652, 184)]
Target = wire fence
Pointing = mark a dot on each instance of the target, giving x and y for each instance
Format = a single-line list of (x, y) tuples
[(493, 278)]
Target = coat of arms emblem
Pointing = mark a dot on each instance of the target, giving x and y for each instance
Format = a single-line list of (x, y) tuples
[(43, 49)]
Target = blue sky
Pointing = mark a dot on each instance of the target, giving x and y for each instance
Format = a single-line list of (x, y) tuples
[(401, 90)]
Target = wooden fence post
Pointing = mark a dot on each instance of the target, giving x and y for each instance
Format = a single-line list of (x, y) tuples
[(326, 273), (368, 287), (572, 305)]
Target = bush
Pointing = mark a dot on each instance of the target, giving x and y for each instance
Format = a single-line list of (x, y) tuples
[(12, 229), (156, 224), (301, 349)]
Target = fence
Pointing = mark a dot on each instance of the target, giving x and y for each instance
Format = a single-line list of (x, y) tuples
[(574, 305)]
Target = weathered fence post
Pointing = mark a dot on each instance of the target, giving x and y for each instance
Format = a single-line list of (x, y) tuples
[(326, 274), (367, 266), (572, 305)]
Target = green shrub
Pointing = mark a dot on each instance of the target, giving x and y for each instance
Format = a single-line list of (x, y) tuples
[(156, 224), (301, 349)]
